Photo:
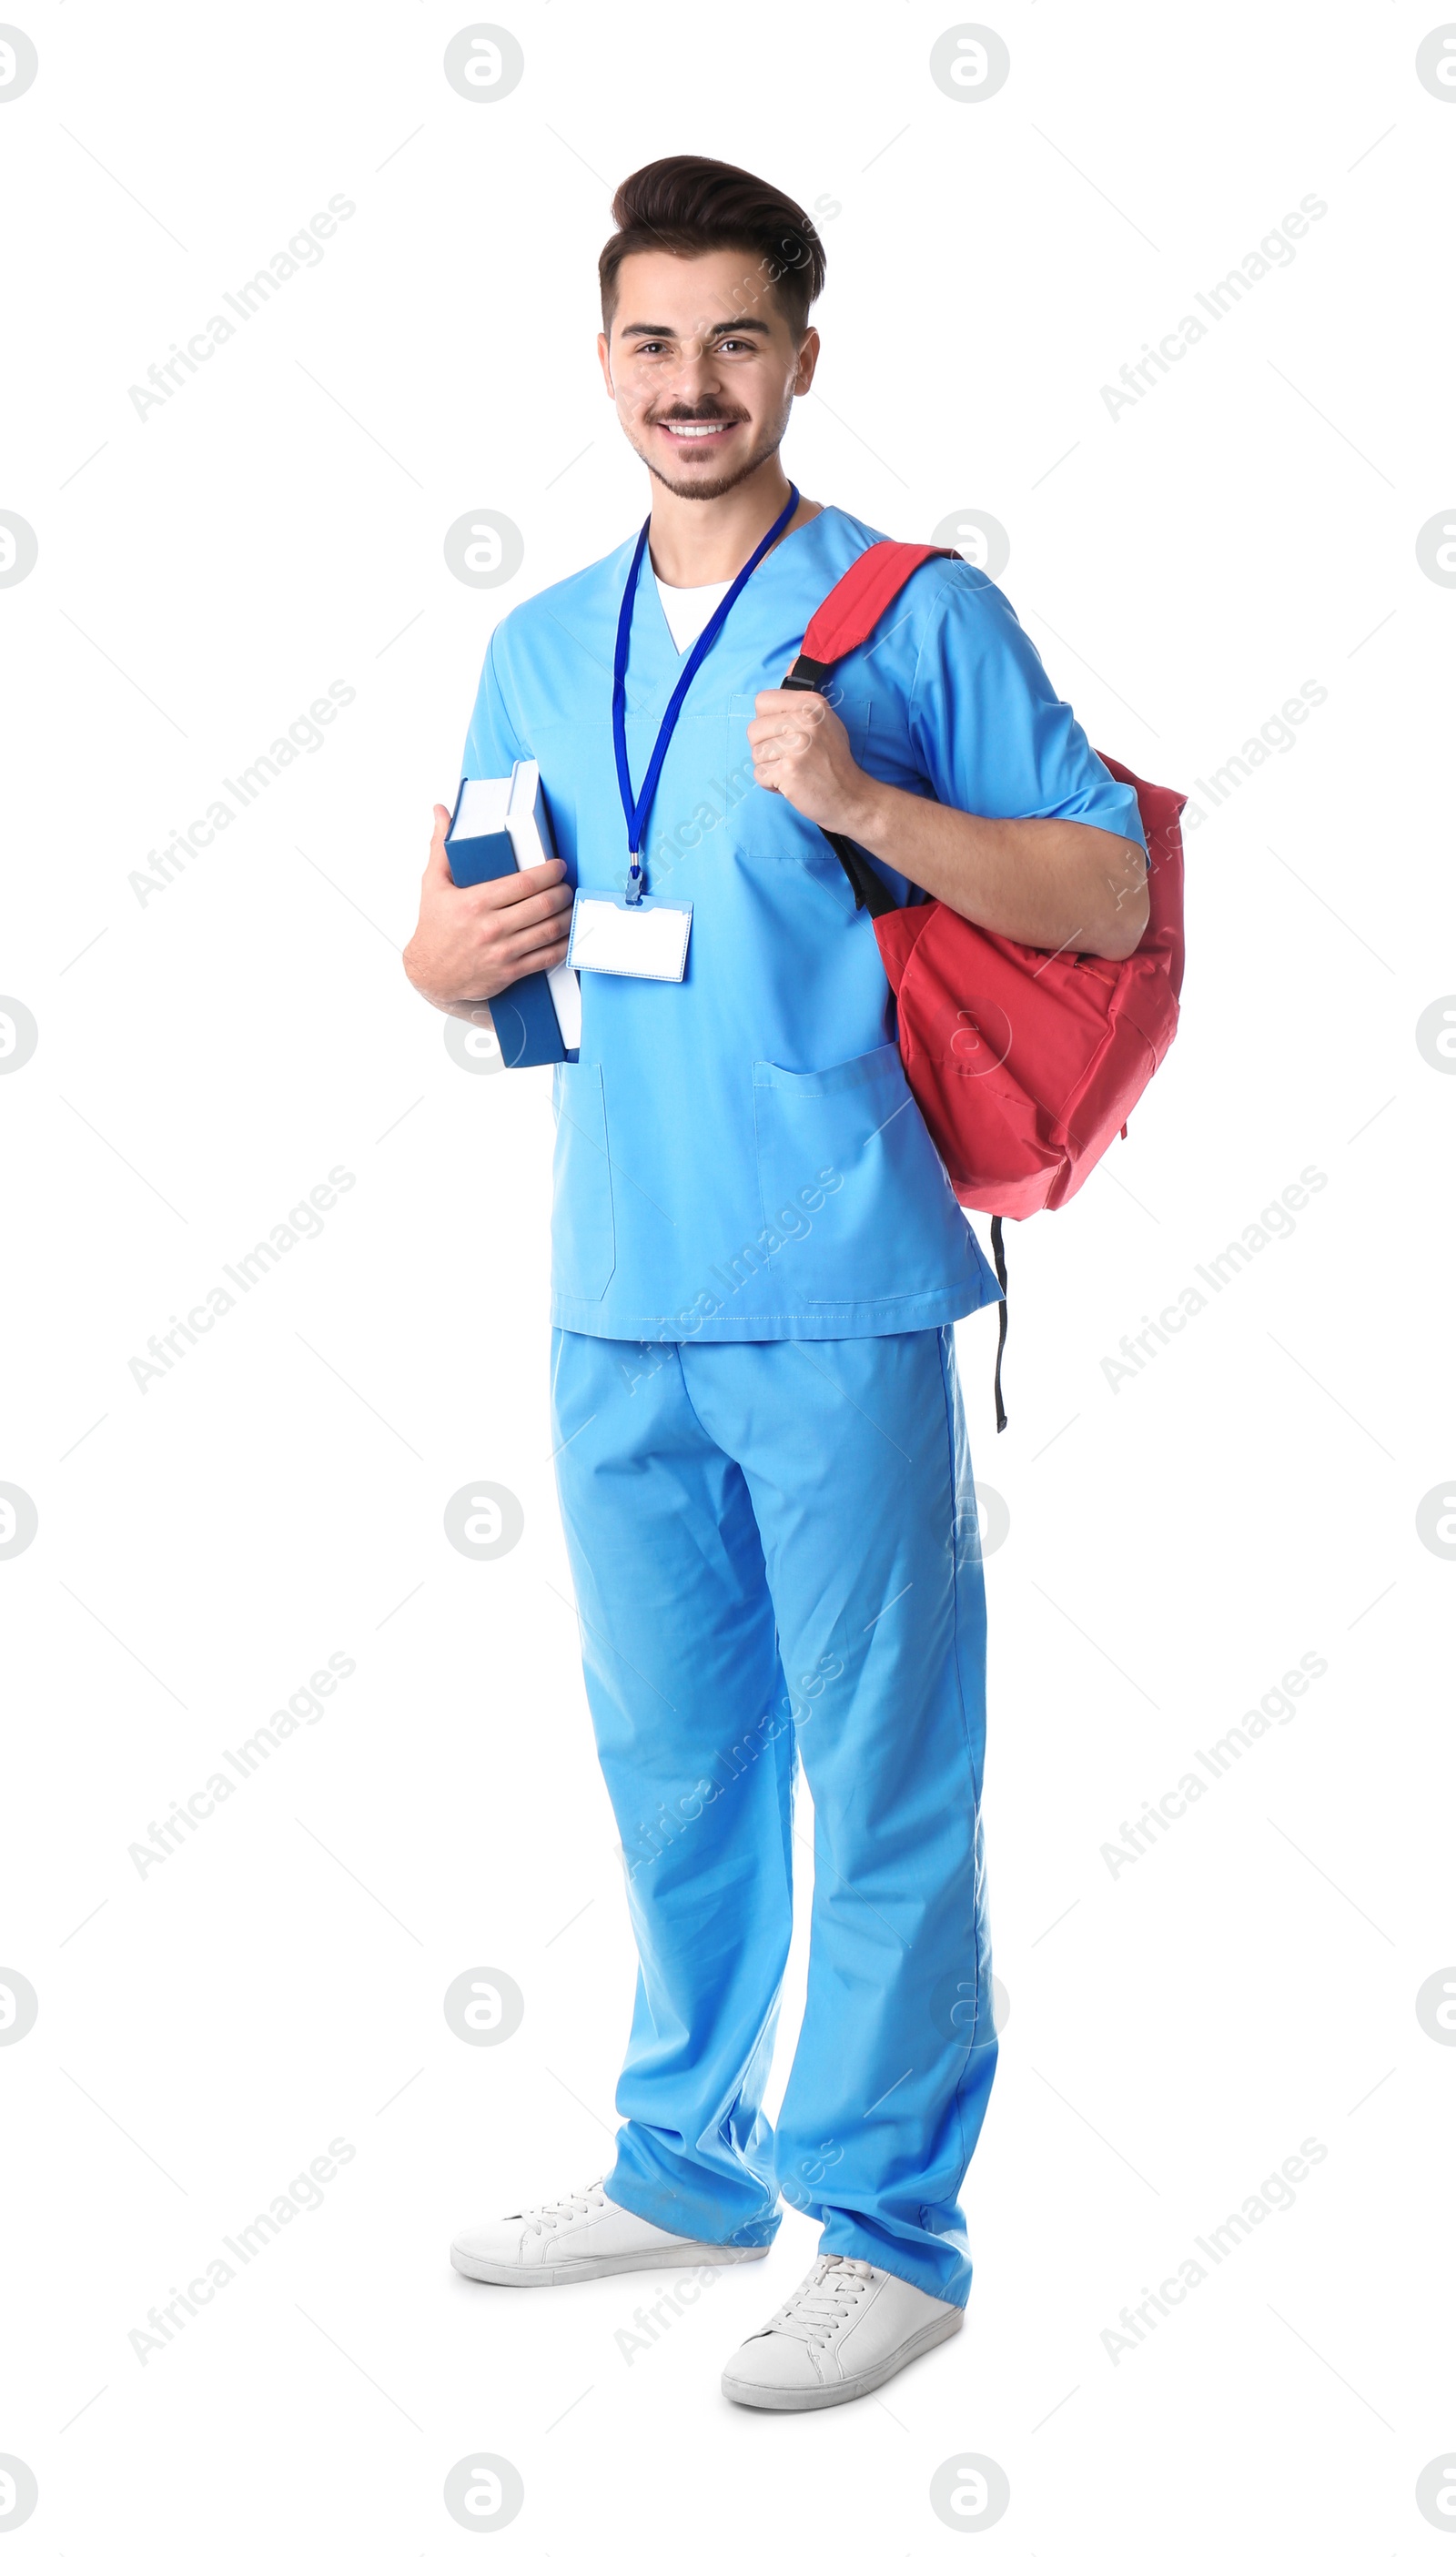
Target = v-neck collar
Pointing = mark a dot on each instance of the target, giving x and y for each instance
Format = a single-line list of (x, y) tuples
[(657, 678)]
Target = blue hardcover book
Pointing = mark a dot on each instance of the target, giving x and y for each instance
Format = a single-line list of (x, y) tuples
[(500, 827)]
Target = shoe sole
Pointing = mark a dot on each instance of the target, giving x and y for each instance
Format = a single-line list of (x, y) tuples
[(838, 2393), (651, 2259)]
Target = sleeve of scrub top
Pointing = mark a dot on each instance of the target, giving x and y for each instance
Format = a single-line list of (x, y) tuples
[(989, 729), (492, 744)]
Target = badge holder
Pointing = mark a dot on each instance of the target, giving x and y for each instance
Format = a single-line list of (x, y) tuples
[(621, 936)]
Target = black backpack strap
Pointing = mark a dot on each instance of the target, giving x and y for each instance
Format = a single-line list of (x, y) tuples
[(807, 675), (998, 1253)]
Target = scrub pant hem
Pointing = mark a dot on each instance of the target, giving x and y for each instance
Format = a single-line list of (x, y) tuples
[(955, 2296), (649, 2204)]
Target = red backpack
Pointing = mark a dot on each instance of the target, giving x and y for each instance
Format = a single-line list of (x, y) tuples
[(1025, 1064)]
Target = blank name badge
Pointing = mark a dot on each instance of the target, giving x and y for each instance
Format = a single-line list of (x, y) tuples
[(649, 939)]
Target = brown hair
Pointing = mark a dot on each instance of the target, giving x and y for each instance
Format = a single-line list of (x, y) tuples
[(688, 206)]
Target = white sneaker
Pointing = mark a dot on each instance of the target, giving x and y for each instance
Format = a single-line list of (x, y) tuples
[(578, 2241), (847, 2328)]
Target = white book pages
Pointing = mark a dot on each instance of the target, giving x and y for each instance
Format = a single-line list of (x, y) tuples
[(531, 844), (482, 810), (527, 834), (565, 994)]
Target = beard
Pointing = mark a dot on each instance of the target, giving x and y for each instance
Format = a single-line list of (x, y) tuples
[(699, 483)]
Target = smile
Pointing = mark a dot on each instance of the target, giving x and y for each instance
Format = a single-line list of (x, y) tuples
[(695, 429)]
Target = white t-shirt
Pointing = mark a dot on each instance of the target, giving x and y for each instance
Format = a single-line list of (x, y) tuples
[(688, 610)]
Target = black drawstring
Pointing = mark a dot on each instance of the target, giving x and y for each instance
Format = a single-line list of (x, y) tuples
[(999, 1253)]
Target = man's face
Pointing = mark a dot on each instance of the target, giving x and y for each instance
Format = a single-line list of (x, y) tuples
[(703, 366)]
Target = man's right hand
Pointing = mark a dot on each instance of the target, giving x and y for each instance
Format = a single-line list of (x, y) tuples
[(472, 942)]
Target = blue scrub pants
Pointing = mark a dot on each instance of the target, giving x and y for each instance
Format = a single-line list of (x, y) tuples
[(775, 1555)]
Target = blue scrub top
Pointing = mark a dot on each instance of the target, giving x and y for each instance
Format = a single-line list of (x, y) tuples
[(739, 1158)]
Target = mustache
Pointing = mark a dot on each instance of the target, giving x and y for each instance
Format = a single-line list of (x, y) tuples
[(698, 417)]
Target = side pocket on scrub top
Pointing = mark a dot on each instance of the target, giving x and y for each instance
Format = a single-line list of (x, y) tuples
[(849, 1177), (582, 1231)]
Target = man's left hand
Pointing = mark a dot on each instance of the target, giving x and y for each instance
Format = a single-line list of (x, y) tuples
[(801, 748), (1050, 881)]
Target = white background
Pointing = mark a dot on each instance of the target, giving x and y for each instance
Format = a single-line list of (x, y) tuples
[(207, 1055)]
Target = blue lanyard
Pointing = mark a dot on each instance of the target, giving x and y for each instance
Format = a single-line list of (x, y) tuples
[(636, 811)]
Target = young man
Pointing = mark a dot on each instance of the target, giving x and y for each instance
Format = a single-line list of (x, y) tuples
[(758, 1261)]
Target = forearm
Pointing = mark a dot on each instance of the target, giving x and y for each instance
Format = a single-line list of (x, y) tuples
[(1045, 881), (475, 1011)]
